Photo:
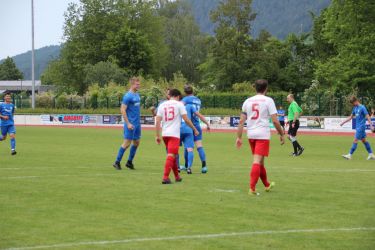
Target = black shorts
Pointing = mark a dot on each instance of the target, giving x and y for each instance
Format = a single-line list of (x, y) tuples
[(282, 123), (293, 131)]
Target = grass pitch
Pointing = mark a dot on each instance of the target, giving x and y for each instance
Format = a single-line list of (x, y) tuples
[(61, 192)]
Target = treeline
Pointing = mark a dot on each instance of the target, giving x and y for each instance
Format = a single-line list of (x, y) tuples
[(108, 41)]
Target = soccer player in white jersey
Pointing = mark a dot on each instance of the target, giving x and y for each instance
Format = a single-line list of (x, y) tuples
[(169, 114), (257, 111)]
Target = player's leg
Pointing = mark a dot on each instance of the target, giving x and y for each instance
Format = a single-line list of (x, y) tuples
[(354, 146), (12, 135), (369, 149), (124, 146), (255, 173), (4, 132), (172, 145), (189, 149), (200, 149), (133, 150)]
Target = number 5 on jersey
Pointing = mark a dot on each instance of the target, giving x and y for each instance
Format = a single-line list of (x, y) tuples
[(255, 108)]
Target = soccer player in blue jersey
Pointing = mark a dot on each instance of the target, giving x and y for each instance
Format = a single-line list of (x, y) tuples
[(281, 117), (361, 115), (187, 138), (7, 121), (131, 112), (196, 102)]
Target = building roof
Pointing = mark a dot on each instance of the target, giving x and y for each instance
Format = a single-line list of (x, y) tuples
[(24, 86)]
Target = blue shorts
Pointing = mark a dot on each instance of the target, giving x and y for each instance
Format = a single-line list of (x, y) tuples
[(200, 136), (134, 134), (8, 129), (187, 139), (360, 134)]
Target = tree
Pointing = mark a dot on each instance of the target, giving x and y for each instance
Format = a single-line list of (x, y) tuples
[(229, 57), (9, 70), (349, 28), (129, 33), (187, 45), (103, 73)]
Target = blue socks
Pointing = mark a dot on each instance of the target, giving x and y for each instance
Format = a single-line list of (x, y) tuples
[(120, 154), (190, 158), (13, 143), (202, 154), (354, 147), (133, 150), (368, 147)]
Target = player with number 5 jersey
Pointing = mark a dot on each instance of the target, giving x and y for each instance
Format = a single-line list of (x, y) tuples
[(257, 111), (169, 114)]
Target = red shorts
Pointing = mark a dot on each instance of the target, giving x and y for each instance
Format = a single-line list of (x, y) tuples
[(260, 147), (172, 144)]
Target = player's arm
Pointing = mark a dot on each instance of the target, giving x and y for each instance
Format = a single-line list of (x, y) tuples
[(190, 124), (347, 120), (153, 111), (240, 130), (278, 128), (203, 119), (125, 116), (368, 117), (158, 128), (3, 117)]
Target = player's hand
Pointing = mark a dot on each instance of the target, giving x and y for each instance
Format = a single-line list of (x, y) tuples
[(341, 124), (238, 143), (208, 128), (5, 118), (157, 140), (196, 132), (130, 126), (282, 140), (293, 124)]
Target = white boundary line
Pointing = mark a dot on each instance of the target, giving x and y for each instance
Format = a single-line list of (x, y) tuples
[(196, 236)]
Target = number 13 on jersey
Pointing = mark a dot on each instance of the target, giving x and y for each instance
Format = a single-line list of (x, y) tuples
[(169, 114)]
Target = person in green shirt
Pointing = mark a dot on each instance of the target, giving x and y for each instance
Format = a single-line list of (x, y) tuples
[(294, 113)]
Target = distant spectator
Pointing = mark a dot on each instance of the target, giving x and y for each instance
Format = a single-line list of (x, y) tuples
[(281, 117)]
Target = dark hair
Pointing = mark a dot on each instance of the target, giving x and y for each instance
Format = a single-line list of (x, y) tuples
[(353, 99), (7, 93), (174, 93), (261, 85), (188, 89)]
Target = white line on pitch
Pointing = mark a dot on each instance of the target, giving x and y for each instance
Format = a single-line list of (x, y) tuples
[(57, 175), (196, 236)]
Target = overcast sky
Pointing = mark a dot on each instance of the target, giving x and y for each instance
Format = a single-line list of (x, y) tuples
[(15, 24)]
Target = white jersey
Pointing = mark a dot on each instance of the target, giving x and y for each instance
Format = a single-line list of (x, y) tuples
[(171, 113), (259, 109)]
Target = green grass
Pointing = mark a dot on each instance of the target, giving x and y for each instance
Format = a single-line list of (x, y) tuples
[(61, 188)]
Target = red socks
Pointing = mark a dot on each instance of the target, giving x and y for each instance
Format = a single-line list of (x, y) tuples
[(256, 172), (175, 170), (263, 176), (169, 164), (254, 176)]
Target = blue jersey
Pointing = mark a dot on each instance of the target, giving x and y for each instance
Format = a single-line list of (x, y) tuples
[(196, 102), (185, 129), (360, 112), (133, 109), (281, 112), (7, 109)]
